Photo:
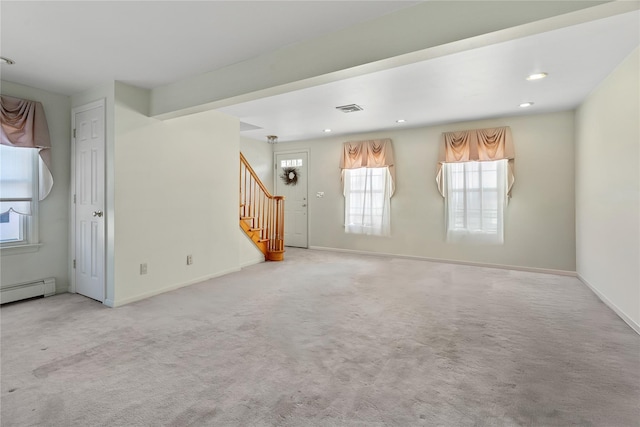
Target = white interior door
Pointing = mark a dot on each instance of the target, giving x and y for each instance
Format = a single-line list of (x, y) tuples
[(89, 202), (296, 200)]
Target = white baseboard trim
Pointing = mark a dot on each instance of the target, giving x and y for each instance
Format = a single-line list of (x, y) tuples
[(635, 326), (252, 262), (121, 302), (451, 261), (256, 256)]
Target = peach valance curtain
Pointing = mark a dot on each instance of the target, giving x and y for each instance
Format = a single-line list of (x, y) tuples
[(375, 153), (477, 145), (23, 124)]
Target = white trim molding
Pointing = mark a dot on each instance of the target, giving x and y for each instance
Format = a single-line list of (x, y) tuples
[(20, 249), (252, 262), (451, 261), (145, 295), (635, 326)]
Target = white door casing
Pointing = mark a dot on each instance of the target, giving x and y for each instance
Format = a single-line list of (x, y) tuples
[(89, 206), (296, 198)]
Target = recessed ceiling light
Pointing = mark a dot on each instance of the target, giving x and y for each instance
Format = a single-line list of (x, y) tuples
[(7, 60), (537, 76), (326, 130), (526, 104), (401, 121)]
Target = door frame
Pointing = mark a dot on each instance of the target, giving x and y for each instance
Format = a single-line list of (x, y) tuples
[(276, 177), (72, 235)]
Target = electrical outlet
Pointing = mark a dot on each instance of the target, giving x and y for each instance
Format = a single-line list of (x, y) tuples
[(143, 268), (189, 259)]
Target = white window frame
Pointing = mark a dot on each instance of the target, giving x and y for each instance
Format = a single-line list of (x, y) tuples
[(29, 223), (465, 232), (365, 227), (291, 163)]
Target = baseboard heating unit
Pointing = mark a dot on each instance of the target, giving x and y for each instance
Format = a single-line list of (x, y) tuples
[(39, 288)]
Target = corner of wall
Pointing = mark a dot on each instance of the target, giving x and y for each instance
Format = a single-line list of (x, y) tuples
[(132, 97), (608, 189), (187, 164)]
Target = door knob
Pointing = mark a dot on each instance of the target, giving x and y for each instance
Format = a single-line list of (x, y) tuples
[(97, 213), (304, 206)]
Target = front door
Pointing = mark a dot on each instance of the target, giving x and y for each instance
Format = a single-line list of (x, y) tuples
[(291, 182), (89, 201)]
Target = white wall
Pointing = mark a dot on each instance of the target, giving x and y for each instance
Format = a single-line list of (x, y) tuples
[(259, 154), (173, 197), (608, 190), (52, 259), (249, 252), (540, 227)]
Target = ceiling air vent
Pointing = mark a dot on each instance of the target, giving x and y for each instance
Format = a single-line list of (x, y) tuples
[(349, 108)]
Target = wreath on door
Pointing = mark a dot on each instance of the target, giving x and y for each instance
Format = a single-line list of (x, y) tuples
[(290, 176)]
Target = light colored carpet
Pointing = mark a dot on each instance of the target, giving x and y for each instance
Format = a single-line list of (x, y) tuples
[(327, 339)]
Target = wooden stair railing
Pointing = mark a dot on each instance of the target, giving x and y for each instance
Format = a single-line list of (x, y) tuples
[(261, 214)]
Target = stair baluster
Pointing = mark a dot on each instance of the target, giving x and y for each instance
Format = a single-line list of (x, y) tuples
[(261, 214)]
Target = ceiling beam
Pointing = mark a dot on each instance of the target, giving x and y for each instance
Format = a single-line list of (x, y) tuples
[(429, 30)]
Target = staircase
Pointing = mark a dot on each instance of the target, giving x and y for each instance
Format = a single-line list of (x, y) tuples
[(261, 214)]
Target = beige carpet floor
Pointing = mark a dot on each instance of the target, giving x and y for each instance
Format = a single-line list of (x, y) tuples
[(327, 339)]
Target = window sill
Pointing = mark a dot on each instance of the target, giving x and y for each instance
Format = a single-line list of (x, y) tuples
[(20, 249)]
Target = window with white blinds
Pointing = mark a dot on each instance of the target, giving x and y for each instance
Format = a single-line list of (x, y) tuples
[(367, 193), (18, 193), (476, 194)]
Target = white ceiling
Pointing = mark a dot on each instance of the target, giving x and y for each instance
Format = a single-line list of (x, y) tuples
[(150, 43), (475, 84), (70, 46)]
